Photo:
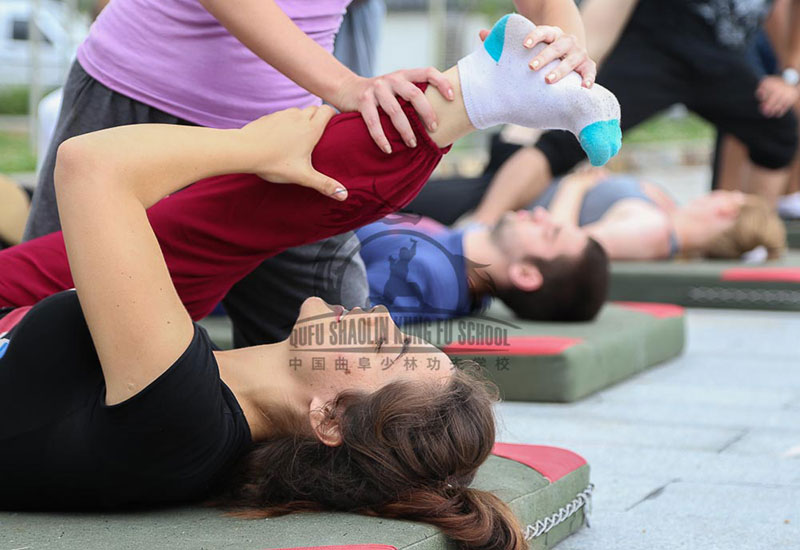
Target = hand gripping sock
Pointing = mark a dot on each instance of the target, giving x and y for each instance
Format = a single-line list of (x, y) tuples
[(499, 87)]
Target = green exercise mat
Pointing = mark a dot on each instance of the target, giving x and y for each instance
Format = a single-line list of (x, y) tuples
[(793, 233), (773, 285), (562, 362), (547, 488)]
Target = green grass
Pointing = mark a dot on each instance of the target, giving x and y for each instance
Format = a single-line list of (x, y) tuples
[(15, 154), (663, 128), (14, 100)]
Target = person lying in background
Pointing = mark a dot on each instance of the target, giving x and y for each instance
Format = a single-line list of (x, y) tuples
[(542, 270), (636, 220), (630, 218)]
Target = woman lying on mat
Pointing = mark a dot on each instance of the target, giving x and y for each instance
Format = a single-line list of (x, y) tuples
[(630, 218), (636, 220), (110, 396)]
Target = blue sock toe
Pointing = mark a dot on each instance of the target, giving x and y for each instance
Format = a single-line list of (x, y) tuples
[(601, 140), (617, 142)]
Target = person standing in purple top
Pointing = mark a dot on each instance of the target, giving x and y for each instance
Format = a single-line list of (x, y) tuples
[(223, 64)]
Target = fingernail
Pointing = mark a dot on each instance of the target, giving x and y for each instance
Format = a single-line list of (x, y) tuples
[(387, 149), (434, 126), (587, 83), (340, 194), (529, 43), (551, 77), (535, 64), (412, 142), (450, 93)]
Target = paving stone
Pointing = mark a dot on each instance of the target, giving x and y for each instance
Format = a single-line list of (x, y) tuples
[(646, 531), (545, 430), (757, 506), (742, 416), (616, 492), (770, 443), (726, 369), (747, 332), (644, 391)]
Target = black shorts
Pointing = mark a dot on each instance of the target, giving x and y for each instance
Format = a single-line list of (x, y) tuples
[(447, 199), (649, 73)]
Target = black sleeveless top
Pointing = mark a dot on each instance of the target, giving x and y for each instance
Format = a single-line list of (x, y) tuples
[(64, 448)]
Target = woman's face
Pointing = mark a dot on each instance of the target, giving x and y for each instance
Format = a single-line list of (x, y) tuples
[(338, 349), (715, 212), (717, 203)]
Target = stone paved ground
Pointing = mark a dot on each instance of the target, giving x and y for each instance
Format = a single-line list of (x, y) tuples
[(702, 452)]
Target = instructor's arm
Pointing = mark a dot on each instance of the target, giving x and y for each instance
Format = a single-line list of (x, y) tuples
[(267, 31)]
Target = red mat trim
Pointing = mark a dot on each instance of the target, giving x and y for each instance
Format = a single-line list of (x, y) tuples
[(15, 316), (660, 311), (347, 547), (762, 274), (518, 345), (552, 462)]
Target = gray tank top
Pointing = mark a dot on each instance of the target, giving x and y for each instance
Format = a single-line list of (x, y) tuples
[(600, 198)]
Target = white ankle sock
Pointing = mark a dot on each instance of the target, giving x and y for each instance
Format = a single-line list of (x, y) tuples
[(499, 87)]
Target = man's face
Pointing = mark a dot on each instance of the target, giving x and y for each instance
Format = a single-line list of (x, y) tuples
[(525, 233)]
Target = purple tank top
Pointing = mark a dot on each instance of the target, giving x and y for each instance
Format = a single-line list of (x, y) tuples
[(174, 56)]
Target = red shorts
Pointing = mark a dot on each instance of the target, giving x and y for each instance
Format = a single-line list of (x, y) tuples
[(218, 230)]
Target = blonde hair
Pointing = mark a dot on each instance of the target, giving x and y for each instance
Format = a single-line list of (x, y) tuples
[(756, 225)]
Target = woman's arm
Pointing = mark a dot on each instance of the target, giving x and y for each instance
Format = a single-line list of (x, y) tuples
[(793, 55), (267, 31), (104, 182), (568, 199), (657, 194)]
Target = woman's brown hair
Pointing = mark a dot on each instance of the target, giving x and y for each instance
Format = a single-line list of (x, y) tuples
[(409, 451), (756, 225)]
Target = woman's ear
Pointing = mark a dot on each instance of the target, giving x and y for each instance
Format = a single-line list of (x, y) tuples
[(525, 276), (730, 208), (326, 429)]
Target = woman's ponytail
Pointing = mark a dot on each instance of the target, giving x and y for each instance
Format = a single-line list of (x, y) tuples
[(474, 519)]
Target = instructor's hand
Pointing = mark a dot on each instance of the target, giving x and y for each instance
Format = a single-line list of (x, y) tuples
[(775, 96), (560, 45), (282, 144), (365, 95)]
